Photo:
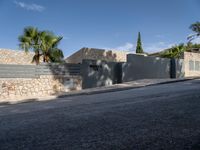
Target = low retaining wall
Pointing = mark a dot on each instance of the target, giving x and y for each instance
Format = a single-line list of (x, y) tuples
[(30, 80), (44, 85)]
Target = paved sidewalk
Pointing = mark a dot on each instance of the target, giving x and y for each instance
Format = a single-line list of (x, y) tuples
[(124, 86), (112, 88)]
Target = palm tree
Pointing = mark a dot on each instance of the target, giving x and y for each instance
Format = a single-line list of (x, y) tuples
[(30, 40), (195, 27), (49, 47), (174, 52), (43, 43)]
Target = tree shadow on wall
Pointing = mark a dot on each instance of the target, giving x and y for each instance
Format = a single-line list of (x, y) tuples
[(101, 71), (97, 73), (99, 54), (62, 77)]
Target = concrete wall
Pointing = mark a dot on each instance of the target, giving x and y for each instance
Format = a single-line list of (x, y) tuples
[(192, 64), (177, 68), (15, 57), (97, 54), (99, 73), (142, 67)]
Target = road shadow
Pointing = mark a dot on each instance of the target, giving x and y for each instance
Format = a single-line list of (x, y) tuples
[(20, 102)]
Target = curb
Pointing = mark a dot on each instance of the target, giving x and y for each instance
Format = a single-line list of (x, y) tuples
[(114, 89), (122, 88)]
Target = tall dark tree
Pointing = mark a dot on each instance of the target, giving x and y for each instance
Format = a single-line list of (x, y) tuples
[(195, 27), (139, 48)]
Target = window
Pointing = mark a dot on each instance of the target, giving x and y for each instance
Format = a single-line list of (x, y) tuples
[(191, 65), (96, 67), (197, 66)]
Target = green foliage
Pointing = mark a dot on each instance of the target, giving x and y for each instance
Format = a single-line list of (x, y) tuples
[(43, 43), (49, 47), (190, 46), (195, 27), (30, 41), (177, 50), (174, 52), (139, 48)]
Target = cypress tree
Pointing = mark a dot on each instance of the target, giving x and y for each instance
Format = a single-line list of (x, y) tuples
[(139, 48)]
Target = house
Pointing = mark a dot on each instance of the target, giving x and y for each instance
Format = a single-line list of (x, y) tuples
[(97, 54)]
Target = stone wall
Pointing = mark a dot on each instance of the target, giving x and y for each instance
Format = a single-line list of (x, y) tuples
[(15, 57), (44, 85), (192, 64), (97, 54)]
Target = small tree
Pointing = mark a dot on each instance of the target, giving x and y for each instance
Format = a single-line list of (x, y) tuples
[(139, 48)]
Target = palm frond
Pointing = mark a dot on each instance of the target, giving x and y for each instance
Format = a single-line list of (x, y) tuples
[(43, 43), (195, 27)]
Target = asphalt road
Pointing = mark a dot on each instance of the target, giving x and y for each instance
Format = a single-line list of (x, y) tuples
[(156, 117)]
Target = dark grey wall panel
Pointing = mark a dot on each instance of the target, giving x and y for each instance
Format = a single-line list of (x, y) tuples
[(141, 67), (17, 71), (59, 69), (99, 73), (32, 71), (102, 73), (179, 68)]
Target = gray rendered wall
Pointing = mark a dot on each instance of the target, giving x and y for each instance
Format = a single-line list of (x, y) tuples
[(17, 71), (33, 71), (101, 73), (177, 68), (65, 69), (144, 67), (96, 73)]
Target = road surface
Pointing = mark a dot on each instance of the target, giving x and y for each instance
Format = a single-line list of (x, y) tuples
[(156, 117)]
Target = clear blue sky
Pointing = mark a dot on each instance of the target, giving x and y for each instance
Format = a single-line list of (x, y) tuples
[(108, 24)]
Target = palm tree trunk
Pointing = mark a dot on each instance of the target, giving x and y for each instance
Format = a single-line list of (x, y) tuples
[(37, 58)]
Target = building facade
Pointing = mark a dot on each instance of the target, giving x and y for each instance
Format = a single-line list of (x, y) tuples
[(97, 54)]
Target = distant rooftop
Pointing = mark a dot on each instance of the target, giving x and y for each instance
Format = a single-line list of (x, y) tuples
[(97, 54)]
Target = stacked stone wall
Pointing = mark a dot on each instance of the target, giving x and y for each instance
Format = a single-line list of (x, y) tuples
[(42, 86), (15, 57)]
